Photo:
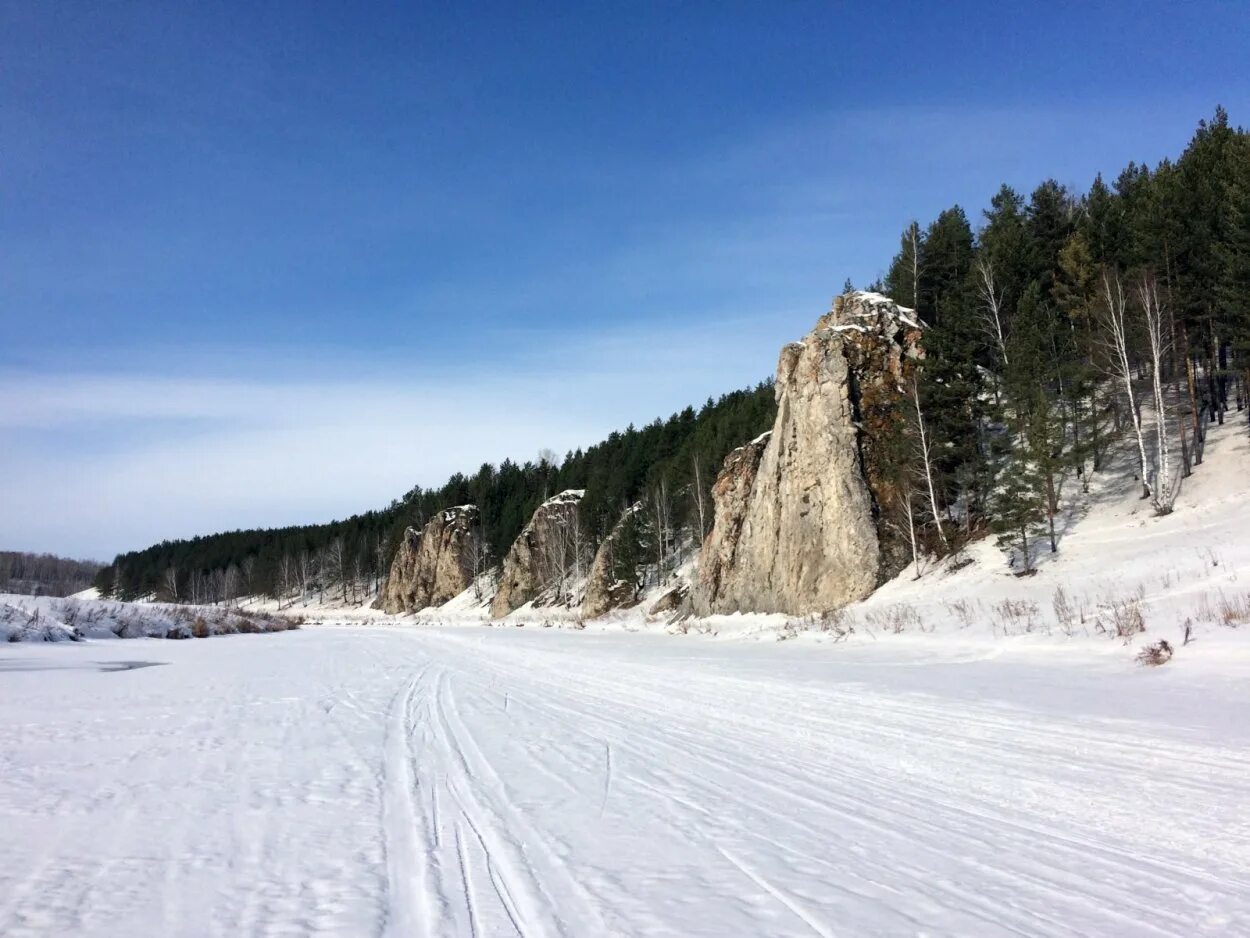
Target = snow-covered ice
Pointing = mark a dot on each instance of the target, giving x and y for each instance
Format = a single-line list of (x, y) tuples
[(361, 780)]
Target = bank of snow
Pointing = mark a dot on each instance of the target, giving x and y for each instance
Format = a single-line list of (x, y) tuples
[(48, 619)]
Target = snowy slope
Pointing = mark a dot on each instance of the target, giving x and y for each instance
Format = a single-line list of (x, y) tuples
[(543, 782)]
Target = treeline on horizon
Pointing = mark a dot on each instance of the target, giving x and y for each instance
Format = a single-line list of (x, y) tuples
[(44, 574), (348, 558), (1048, 326)]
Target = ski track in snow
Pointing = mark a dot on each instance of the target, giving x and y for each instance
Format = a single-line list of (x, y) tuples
[(507, 782)]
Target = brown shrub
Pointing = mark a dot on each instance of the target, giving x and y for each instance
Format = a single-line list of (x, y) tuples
[(1154, 655)]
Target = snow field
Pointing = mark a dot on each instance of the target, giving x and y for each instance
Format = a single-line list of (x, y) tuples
[(546, 782)]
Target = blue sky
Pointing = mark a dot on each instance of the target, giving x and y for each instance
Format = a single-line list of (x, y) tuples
[(268, 263)]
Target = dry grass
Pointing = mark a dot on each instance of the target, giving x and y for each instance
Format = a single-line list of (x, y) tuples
[(896, 618), (1122, 619), (1065, 613), (1224, 609), (1234, 610), (962, 610), (1014, 616)]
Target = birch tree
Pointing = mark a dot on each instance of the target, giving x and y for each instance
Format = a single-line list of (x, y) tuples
[(305, 566), (991, 308), (171, 583), (1115, 326), (700, 499), (286, 576), (336, 560), (1163, 495), (924, 447), (480, 560)]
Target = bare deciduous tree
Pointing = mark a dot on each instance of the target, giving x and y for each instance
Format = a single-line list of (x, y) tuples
[(480, 561), (336, 562), (171, 583), (1163, 494), (924, 450), (700, 499), (286, 576), (660, 508), (230, 584), (1115, 326), (992, 307), (380, 548), (247, 571)]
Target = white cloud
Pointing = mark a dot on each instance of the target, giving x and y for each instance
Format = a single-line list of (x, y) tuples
[(108, 461)]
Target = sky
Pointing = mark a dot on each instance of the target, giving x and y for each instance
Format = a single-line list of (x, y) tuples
[(264, 264)]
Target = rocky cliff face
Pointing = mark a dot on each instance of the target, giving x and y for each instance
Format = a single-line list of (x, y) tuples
[(797, 525), (605, 590), (432, 565), (545, 557)]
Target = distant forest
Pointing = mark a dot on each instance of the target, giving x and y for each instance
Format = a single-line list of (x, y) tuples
[(45, 574), (679, 456), (1055, 323)]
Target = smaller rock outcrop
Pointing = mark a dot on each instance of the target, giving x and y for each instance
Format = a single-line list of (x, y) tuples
[(432, 565), (546, 556), (609, 587), (672, 602), (731, 494)]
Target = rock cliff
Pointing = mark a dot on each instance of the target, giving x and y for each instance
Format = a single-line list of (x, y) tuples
[(798, 525), (605, 588), (432, 565), (546, 556)]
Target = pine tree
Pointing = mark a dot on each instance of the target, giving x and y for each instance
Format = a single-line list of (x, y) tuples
[(902, 282), (1018, 511)]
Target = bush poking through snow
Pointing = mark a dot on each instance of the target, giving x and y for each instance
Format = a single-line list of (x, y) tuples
[(895, 619), (1154, 655), (1014, 614), (962, 610), (1065, 614), (1124, 620), (1234, 610)]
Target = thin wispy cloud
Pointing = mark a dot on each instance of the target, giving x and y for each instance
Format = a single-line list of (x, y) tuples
[(106, 461)]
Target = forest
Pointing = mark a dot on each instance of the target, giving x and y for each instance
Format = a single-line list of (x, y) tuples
[(44, 574), (1066, 320), (348, 559), (1057, 323)]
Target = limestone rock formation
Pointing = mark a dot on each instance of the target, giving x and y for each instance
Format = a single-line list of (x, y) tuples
[(545, 556), (797, 526), (432, 565), (672, 602), (605, 590)]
